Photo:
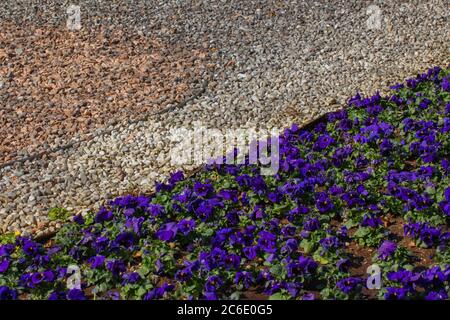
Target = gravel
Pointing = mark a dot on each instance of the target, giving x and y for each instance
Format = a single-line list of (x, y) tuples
[(67, 86), (265, 64)]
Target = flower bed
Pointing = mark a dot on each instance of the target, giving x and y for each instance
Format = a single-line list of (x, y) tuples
[(368, 184)]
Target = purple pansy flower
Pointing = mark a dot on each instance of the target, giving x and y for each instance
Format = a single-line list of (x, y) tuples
[(348, 285), (386, 249), (167, 232)]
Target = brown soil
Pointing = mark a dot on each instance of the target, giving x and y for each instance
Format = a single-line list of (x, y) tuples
[(423, 256)]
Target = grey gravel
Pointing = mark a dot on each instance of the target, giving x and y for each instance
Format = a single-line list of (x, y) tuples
[(277, 62)]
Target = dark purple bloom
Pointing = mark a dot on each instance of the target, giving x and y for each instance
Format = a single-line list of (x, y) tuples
[(250, 252), (96, 262), (424, 104), (371, 221), (293, 288), (7, 293), (434, 276), (348, 285), (159, 266), (343, 265), (386, 146), (61, 272), (156, 210), (445, 84), (257, 213), (437, 295), (29, 247), (221, 237), (245, 278), (229, 195), (213, 283), (386, 249), (397, 86), (161, 187), (76, 294), (184, 196), (323, 202), (232, 261), (135, 223), (211, 296), (308, 296), (394, 293), (323, 142), (183, 275), (445, 207), (300, 210), (4, 265), (342, 233), (330, 243), (205, 209), (288, 231), (6, 250), (267, 241), (78, 219), (336, 190), (176, 177), (243, 180), (275, 197), (100, 243), (264, 276), (38, 277), (57, 295), (202, 190), (131, 277), (447, 194), (167, 232), (405, 277), (311, 224), (447, 108), (217, 257), (430, 236), (158, 293), (340, 155), (116, 266), (186, 226), (304, 265), (113, 295), (374, 110), (345, 124), (258, 185), (125, 239), (307, 264), (103, 215), (233, 217)]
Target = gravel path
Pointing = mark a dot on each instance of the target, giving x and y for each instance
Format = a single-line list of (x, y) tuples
[(64, 86), (267, 63)]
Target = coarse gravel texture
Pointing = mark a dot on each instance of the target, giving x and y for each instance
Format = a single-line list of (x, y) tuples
[(64, 86), (270, 63)]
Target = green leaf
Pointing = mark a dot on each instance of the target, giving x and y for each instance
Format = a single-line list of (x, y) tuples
[(58, 214), (279, 296), (361, 232), (320, 259), (307, 245), (276, 269)]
